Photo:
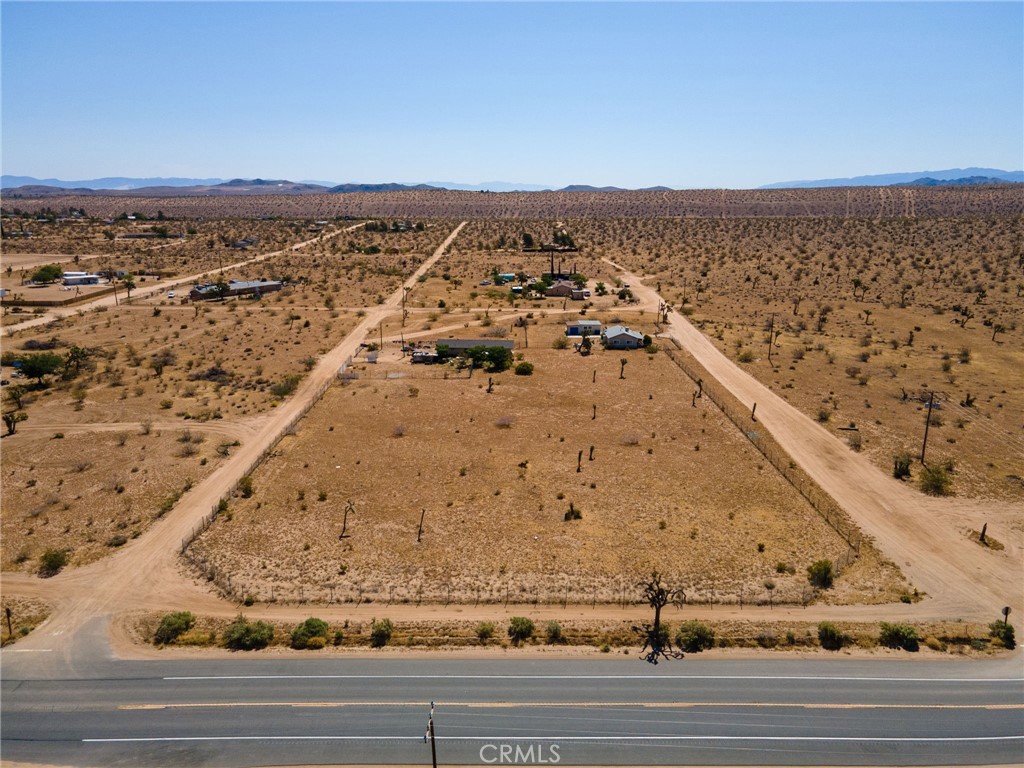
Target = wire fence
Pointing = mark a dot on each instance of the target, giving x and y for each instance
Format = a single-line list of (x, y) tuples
[(548, 589), (224, 580), (740, 416)]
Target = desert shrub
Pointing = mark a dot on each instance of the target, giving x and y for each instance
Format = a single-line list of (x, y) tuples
[(520, 628), (172, 625), (524, 369), (286, 386), (118, 540), (830, 637), (560, 343), (695, 636), (936, 481), (767, 639), (746, 356), (901, 465), (898, 636), (309, 630), (484, 631), (821, 574), (553, 630), (1003, 633), (380, 632), (243, 635), (51, 561), (245, 487)]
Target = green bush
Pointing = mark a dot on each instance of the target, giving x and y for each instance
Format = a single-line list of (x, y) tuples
[(830, 637), (245, 487), (519, 628), (821, 574), (936, 481), (1003, 633), (51, 561), (484, 631), (694, 636), (898, 636), (286, 386), (309, 630), (554, 632), (524, 369), (901, 465), (243, 635), (172, 625), (380, 632)]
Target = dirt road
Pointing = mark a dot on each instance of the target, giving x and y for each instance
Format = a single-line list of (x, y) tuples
[(925, 536), (110, 300), (150, 564)]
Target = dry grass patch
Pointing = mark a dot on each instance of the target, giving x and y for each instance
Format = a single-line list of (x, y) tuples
[(496, 496), (55, 499)]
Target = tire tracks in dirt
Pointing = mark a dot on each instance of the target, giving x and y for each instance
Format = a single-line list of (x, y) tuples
[(926, 537)]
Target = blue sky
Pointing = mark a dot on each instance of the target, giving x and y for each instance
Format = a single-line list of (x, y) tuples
[(681, 94)]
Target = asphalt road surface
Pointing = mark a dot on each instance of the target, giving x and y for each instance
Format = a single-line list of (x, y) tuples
[(94, 710)]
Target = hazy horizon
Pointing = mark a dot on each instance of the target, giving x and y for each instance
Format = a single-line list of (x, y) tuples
[(686, 95)]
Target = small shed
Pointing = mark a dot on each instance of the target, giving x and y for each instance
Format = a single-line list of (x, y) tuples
[(583, 328)]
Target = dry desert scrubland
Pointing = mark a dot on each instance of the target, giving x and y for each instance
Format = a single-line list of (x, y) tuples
[(406, 485)]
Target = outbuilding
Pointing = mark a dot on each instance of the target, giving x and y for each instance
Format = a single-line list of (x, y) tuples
[(583, 328)]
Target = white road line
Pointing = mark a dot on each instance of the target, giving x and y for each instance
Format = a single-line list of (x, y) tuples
[(606, 677), (503, 738)]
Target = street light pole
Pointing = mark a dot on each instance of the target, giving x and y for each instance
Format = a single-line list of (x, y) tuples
[(430, 734)]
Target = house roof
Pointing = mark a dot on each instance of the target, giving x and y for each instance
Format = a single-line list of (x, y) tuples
[(457, 344), (621, 330), (239, 285), (586, 323)]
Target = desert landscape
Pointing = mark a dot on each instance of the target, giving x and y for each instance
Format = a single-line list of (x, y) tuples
[(562, 477)]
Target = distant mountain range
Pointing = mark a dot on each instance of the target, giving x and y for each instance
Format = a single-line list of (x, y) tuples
[(28, 186), (918, 178), (108, 182), (126, 184)]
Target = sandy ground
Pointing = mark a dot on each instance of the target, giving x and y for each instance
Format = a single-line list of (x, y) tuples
[(924, 536), (183, 283)]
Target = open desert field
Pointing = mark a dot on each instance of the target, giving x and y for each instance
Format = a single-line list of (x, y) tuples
[(833, 202), (867, 319), (493, 474), (168, 391), (161, 391)]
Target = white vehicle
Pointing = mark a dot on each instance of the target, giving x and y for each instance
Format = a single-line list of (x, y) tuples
[(170, 294)]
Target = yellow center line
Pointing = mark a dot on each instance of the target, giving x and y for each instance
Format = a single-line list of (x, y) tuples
[(577, 705)]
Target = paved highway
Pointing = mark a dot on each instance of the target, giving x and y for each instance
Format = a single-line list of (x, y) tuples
[(94, 710)]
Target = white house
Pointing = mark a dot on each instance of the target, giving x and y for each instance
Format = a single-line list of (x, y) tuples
[(583, 328), (79, 278), (620, 337)]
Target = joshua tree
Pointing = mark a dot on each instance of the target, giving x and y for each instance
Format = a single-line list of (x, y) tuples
[(622, 367), (657, 643), (12, 419)]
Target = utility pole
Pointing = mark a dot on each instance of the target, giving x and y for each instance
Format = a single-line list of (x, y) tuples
[(927, 423), (430, 734)]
